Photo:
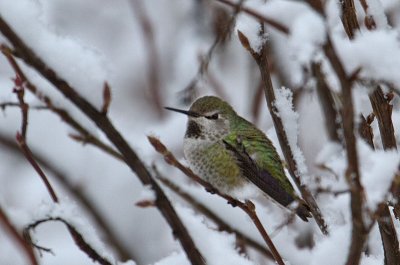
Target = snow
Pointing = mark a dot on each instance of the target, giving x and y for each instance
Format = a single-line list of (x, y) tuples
[(218, 247), (284, 105), (69, 212), (377, 165), (89, 42)]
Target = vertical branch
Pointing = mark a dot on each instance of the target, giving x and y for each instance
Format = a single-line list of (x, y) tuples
[(383, 112), (262, 62), (359, 232), (154, 70), (327, 103)]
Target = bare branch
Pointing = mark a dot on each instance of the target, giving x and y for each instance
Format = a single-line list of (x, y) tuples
[(16, 235), (76, 235), (248, 207), (222, 225), (262, 62), (28, 56)]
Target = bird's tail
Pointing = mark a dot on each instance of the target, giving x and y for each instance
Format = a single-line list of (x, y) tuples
[(303, 211)]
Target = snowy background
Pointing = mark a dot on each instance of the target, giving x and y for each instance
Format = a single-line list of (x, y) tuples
[(93, 41)]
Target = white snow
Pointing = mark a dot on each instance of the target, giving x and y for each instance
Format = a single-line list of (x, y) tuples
[(378, 169), (284, 105)]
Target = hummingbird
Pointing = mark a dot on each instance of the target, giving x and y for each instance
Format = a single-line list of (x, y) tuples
[(230, 152)]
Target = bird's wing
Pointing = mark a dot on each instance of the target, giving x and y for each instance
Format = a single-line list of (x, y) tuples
[(261, 177)]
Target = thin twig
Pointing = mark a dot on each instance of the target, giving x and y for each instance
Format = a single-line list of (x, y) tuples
[(85, 136), (154, 69), (16, 235), (77, 237), (248, 207), (132, 160), (81, 197), (262, 62)]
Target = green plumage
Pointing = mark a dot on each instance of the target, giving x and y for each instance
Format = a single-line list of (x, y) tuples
[(229, 152)]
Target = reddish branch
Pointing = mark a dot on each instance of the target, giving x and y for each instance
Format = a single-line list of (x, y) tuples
[(248, 207), (76, 236), (19, 239), (22, 51), (222, 225), (84, 135), (262, 62), (100, 221)]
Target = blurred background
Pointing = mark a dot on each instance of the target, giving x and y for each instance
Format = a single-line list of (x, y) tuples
[(154, 53)]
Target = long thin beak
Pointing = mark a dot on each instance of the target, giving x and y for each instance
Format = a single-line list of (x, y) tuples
[(187, 112)]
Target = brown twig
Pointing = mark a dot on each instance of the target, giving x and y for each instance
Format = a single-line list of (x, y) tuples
[(154, 69), (132, 160), (349, 18), (188, 91), (222, 225), (248, 207), (100, 221), (85, 136), (383, 112), (19, 239), (21, 140), (327, 103), (262, 62), (369, 20), (77, 237), (365, 130), (274, 24)]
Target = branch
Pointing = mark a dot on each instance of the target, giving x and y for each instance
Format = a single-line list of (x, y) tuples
[(81, 197), (248, 207), (359, 231), (85, 136), (365, 130), (383, 112), (154, 69), (77, 237), (349, 18), (102, 121), (222, 225), (20, 240), (274, 24), (262, 62), (327, 103)]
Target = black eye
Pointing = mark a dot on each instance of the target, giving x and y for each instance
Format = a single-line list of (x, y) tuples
[(213, 117)]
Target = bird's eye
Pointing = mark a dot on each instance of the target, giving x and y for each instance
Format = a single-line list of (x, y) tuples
[(212, 117)]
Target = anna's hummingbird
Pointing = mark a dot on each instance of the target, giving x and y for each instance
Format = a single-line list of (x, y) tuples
[(229, 152)]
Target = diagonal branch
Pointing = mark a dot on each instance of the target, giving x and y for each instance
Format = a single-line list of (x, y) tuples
[(222, 225), (20, 240), (248, 207), (22, 51)]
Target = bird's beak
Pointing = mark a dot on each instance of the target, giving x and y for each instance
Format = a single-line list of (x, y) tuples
[(187, 112)]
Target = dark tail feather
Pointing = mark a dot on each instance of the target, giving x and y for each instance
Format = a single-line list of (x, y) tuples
[(303, 211)]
